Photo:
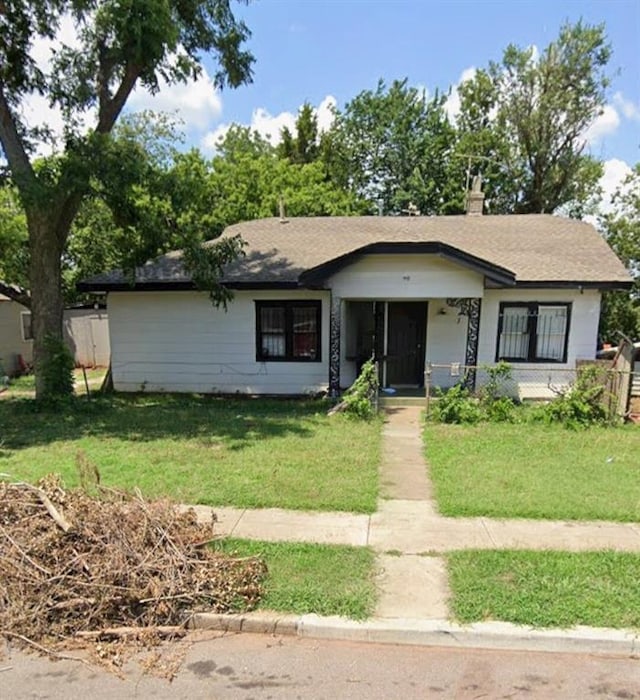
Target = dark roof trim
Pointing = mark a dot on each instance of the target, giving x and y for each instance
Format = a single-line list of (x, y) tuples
[(565, 284), (168, 286), (319, 274)]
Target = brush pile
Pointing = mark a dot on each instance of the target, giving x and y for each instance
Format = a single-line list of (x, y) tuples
[(73, 565)]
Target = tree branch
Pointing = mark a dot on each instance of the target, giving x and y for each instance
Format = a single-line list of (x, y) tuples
[(110, 109), (12, 144), (16, 294)]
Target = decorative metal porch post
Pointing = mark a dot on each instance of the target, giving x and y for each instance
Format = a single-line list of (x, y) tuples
[(334, 346), (471, 309)]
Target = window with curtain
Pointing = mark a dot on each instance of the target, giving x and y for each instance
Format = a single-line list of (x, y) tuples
[(533, 332), (288, 331)]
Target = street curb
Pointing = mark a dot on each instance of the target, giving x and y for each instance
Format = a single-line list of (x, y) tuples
[(422, 632)]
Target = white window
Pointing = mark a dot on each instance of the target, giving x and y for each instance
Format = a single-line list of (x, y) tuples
[(533, 332), (25, 326)]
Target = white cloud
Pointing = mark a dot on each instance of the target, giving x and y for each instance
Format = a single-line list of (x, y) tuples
[(196, 102), (325, 113), (269, 126), (210, 140), (452, 105), (615, 171), (627, 107), (605, 124)]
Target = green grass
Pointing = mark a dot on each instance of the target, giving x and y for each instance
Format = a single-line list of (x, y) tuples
[(246, 453), (535, 471), (313, 578), (27, 383), (546, 589)]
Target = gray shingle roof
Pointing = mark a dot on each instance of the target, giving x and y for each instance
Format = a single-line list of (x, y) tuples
[(534, 248)]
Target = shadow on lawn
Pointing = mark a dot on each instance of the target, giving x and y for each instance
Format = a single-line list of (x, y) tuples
[(144, 418)]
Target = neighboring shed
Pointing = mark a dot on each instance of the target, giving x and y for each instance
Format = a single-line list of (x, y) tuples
[(85, 329)]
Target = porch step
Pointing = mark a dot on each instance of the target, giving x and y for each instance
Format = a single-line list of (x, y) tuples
[(397, 401)]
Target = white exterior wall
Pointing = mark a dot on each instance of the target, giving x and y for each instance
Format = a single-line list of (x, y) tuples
[(416, 277), (538, 380), (446, 342), (11, 342), (178, 341), (419, 277)]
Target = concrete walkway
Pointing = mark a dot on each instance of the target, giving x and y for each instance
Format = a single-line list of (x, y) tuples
[(407, 532)]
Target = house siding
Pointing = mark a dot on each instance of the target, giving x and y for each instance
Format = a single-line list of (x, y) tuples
[(178, 341), (11, 342), (405, 277)]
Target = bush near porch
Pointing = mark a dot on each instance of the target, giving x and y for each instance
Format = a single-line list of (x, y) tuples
[(198, 449), (533, 470)]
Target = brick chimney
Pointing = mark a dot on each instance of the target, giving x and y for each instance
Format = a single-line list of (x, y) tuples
[(475, 197)]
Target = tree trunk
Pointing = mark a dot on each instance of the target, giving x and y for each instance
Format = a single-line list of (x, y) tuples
[(46, 291)]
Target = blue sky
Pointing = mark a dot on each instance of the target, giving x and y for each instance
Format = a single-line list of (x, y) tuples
[(308, 49)]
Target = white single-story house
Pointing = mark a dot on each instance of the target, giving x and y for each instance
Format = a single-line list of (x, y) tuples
[(85, 331), (315, 297)]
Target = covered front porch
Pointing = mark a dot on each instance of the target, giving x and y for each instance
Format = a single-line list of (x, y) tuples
[(403, 335)]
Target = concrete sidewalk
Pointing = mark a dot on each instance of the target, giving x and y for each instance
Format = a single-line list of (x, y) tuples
[(408, 534), (410, 527)]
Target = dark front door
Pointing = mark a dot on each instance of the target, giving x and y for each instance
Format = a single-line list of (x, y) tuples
[(406, 335)]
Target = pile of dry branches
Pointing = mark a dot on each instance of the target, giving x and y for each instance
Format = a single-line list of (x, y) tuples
[(75, 565)]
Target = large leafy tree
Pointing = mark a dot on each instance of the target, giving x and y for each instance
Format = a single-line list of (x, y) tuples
[(523, 122), (302, 146), (621, 228), (121, 44), (14, 249), (392, 146), (248, 180)]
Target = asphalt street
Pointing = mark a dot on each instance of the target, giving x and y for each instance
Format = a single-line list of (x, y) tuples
[(262, 667)]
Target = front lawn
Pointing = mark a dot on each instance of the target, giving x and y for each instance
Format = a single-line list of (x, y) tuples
[(245, 453), (531, 470), (312, 578), (546, 589)]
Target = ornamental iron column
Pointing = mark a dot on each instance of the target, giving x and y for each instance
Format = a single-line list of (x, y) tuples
[(471, 309), (334, 346)]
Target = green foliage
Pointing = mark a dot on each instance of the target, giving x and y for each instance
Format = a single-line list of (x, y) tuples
[(456, 405), (459, 405), (391, 147), (621, 229), (585, 403), (14, 243), (524, 118), (57, 370), (303, 146), (206, 263), (497, 406), (361, 397)]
